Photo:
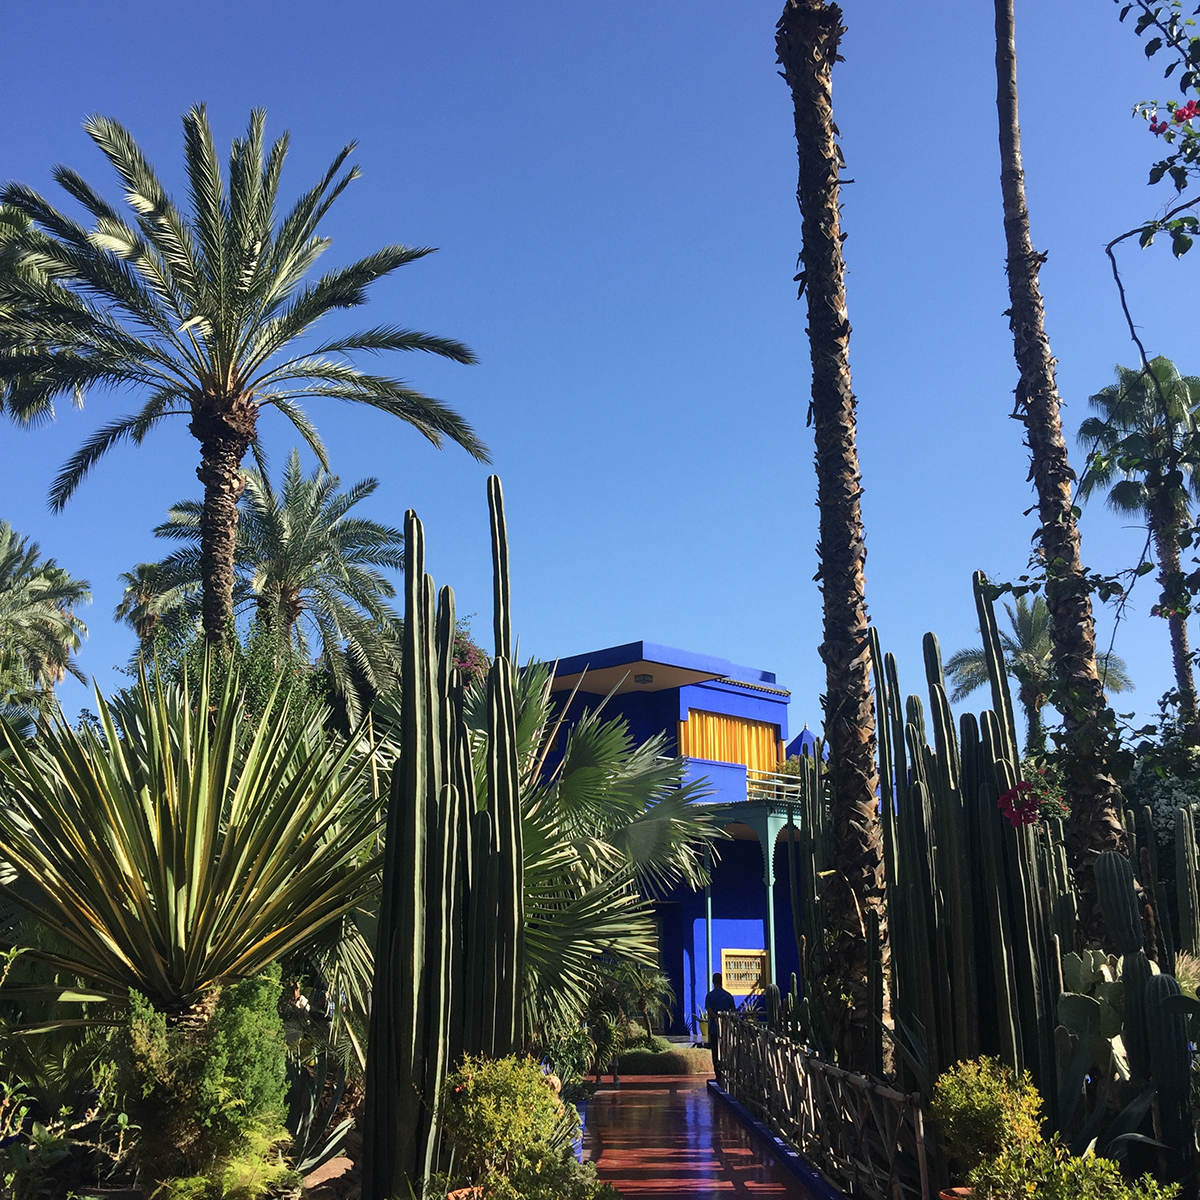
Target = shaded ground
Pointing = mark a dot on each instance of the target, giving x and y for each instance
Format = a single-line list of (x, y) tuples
[(666, 1136)]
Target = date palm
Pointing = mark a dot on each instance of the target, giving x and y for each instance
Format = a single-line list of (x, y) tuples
[(807, 40), (1090, 742), (39, 631), (1137, 451), (152, 597), (1028, 656), (202, 310), (306, 565)]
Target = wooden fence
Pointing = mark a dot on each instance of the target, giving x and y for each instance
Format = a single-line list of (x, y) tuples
[(866, 1138)]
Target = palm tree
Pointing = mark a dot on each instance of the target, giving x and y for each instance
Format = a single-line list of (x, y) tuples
[(1089, 726), (807, 40), (203, 313), (1137, 449), (1027, 658), (151, 594), (13, 225), (39, 631), (305, 565)]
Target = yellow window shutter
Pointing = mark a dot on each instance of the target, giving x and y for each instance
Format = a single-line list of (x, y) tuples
[(721, 738)]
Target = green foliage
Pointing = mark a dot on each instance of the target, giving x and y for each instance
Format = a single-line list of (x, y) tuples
[(1053, 1173), (182, 846), (204, 1093), (1027, 658), (257, 1169), (568, 1054), (682, 1060), (495, 1111), (306, 566), (512, 1135), (982, 1108), (39, 631)]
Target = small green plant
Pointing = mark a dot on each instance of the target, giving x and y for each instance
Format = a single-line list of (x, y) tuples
[(512, 1135), (982, 1108), (207, 1090), (1049, 1170)]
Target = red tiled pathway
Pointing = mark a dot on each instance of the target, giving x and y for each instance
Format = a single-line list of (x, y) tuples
[(667, 1136)]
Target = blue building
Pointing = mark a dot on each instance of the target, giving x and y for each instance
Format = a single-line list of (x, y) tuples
[(730, 724)]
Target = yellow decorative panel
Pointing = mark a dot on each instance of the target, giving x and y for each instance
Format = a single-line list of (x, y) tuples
[(743, 971), (720, 738)]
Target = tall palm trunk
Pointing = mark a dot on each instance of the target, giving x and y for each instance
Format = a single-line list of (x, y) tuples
[(807, 41), (1088, 722), (1165, 531), (225, 432), (1033, 701)]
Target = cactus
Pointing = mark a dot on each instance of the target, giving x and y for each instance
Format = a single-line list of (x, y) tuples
[(1185, 881), (976, 909), (773, 1003), (1118, 899), (1135, 974), (1170, 1066), (448, 963)]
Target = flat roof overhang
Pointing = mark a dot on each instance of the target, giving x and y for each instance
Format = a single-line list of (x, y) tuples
[(617, 667), (623, 678)]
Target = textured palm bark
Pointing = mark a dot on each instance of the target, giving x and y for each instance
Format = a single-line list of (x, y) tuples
[(1033, 701), (1166, 546), (807, 39), (225, 431), (1088, 723)]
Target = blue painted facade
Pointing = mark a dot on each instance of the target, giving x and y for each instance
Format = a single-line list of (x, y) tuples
[(654, 687)]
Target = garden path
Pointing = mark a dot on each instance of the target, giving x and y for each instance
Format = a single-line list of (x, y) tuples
[(667, 1136)]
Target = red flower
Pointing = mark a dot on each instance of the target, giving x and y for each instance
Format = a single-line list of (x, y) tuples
[(1019, 805)]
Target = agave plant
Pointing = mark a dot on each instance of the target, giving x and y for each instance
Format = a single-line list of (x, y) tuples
[(173, 849)]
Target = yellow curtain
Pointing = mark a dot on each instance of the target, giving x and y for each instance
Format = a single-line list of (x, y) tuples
[(729, 739)]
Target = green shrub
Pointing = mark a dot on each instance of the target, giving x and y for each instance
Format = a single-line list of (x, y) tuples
[(512, 1135), (1049, 1170), (497, 1109), (683, 1060), (981, 1108), (205, 1093)]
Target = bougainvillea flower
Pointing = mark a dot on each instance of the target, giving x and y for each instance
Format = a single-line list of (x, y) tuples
[(1019, 805)]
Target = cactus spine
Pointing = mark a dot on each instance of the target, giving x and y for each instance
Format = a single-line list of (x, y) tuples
[(448, 961)]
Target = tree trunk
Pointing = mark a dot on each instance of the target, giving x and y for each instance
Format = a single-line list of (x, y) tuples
[(1088, 722), (807, 39), (1170, 580), (1032, 701), (224, 432)]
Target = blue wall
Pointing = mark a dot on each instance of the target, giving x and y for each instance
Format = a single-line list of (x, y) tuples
[(734, 701), (739, 922)]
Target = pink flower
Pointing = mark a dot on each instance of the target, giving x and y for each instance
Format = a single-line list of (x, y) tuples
[(1019, 805)]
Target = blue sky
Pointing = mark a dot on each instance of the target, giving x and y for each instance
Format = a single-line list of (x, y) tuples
[(612, 191)]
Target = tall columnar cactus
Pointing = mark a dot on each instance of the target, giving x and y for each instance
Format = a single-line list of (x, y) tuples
[(1117, 894), (1170, 1068), (977, 908), (448, 962), (1185, 881)]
